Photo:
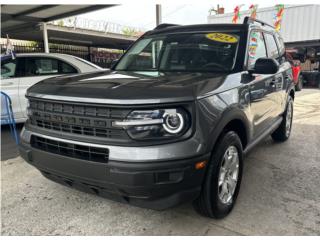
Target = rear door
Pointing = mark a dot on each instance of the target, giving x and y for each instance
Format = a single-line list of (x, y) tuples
[(278, 80), (10, 85), (263, 107)]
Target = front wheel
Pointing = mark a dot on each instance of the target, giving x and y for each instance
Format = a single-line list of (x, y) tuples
[(222, 182), (282, 133)]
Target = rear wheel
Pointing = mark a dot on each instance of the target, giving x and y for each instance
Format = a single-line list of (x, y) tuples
[(282, 133), (222, 182)]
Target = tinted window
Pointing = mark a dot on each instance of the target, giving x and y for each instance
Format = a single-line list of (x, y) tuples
[(272, 46), (182, 52), (66, 68), (256, 49), (39, 66), (8, 68)]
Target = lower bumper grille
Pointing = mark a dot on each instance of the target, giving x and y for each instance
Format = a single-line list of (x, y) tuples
[(71, 150)]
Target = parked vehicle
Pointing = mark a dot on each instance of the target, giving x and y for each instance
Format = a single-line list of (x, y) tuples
[(296, 72), (170, 122), (29, 68)]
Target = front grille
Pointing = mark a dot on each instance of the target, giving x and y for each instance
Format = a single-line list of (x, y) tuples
[(88, 120), (89, 153)]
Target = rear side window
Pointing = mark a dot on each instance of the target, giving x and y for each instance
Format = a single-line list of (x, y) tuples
[(281, 45), (272, 46), (8, 68), (256, 48), (41, 66), (66, 68)]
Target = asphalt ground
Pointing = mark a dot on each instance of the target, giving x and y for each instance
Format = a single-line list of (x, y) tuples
[(279, 195)]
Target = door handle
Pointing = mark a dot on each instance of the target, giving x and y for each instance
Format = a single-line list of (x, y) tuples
[(7, 84)]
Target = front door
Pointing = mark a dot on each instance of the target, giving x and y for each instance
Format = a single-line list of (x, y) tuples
[(262, 105)]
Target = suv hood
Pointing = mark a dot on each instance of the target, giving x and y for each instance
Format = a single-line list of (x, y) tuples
[(128, 87)]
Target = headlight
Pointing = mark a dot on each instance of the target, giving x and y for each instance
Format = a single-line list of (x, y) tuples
[(155, 124)]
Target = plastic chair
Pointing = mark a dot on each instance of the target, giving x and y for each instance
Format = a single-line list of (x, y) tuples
[(7, 117)]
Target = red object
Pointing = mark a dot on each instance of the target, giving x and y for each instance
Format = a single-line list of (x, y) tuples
[(295, 65), (295, 72)]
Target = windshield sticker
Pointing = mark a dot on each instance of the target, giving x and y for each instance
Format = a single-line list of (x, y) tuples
[(222, 37)]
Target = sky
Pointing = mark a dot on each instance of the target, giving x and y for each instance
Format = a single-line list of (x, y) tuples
[(142, 15)]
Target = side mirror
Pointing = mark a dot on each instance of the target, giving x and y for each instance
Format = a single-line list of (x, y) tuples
[(265, 66)]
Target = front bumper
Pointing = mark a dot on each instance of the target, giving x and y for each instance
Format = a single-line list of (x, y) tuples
[(154, 184)]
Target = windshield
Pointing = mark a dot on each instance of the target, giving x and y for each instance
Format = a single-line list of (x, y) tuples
[(212, 52)]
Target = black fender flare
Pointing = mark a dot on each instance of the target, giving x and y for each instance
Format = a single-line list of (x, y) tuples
[(230, 114)]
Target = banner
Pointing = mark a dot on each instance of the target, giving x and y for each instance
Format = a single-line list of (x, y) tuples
[(237, 15), (278, 17), (253, 11)]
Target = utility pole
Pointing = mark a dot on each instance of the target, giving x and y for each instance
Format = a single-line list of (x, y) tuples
[(45, 37), (158, 14)]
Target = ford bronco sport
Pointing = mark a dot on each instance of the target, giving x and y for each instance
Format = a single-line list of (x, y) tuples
[(170, 122)]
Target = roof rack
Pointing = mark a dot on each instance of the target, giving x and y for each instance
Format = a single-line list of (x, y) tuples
[(165, 25), (248, 20)]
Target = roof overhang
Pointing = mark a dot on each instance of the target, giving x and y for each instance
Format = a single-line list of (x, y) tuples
[(23, 22), (19, 17)]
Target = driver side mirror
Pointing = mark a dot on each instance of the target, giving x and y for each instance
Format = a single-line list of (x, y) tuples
[(265, 66)]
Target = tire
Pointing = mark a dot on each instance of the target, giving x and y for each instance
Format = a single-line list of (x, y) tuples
[(282, 133), (299, 85), (209, 203)]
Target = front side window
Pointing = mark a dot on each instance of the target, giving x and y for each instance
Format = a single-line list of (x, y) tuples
[(281, 46), (211, 52), (8, 68), (256, 48), (272, 46)]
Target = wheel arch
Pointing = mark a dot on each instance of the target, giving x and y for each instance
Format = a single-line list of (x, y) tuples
[(232, 120)]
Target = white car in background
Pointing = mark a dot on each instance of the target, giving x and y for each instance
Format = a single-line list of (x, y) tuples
[(18, 74)]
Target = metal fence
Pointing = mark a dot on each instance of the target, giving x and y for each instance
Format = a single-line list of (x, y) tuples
[(101, 57)]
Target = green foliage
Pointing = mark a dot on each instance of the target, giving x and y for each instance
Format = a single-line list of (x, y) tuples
[(129, 31)]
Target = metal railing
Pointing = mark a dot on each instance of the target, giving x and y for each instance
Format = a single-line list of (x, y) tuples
[(99, 56)]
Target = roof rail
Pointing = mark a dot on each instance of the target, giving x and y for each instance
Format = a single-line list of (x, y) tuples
[(165, 25), (248, 20)]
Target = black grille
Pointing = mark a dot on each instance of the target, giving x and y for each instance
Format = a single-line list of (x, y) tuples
[(69, 149), (77, 119)]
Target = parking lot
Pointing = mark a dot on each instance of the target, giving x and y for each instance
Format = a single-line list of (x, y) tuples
[(279, 195)]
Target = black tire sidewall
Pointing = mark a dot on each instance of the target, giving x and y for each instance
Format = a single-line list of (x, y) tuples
[(290, 101), (218, 208)]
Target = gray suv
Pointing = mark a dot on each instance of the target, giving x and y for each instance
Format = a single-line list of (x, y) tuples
[(170, 122)]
